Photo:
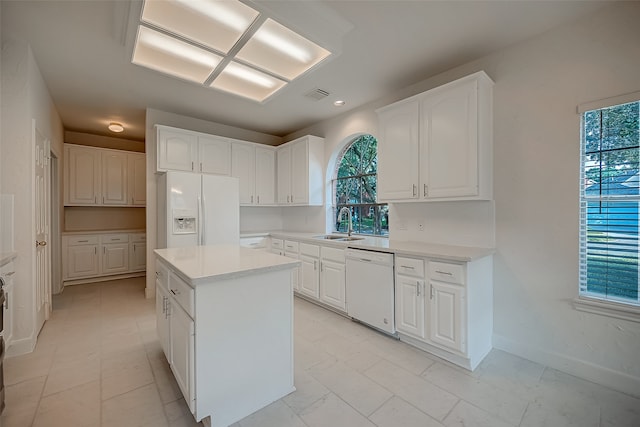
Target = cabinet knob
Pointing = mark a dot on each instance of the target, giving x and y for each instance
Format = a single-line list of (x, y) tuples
[(425, 190)]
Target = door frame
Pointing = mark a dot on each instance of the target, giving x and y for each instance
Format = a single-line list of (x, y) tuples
[(54, 222)]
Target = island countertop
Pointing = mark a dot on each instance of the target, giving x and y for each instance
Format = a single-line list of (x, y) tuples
[(200, 264)]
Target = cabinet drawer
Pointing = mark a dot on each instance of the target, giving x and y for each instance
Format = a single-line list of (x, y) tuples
[(310, 250), (410, 266), (137, 237), (162, 275), (277, 244), (291, 246), (182, 292), (332, 254), (82, 240), (114, 238), (446, 272), (253, 242)]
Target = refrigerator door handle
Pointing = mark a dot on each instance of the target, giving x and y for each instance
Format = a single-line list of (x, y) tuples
[(201, 223)]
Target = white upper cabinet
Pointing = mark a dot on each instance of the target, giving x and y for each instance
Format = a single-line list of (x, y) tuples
[(103, 177), (243, 167), (137, 178), (438, 145), (177, 149), (214, 155), (114, 177), (265, 176), (300, 172), (81, 175)]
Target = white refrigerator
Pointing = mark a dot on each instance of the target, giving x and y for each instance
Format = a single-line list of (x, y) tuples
[(196, 209)]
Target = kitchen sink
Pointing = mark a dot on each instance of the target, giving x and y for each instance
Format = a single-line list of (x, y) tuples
[(338, 237)]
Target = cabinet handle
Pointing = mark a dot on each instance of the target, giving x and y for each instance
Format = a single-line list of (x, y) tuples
[(431, 292), (408, 266), (446, 273), (191, 165), (425, 190), (103, 200), (321, 266), (251, 199), (200, 166), (104, 250), (95, 251), (415, 190), (287, 198), (83, 241), (418, 288), (315, 265), (258, 197), (6, 301), (173, 291)]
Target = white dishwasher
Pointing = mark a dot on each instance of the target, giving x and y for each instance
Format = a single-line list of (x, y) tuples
[(370, 290)]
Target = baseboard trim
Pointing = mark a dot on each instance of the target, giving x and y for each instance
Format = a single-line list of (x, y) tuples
[(21, 346), (607, 377), (85, 280)]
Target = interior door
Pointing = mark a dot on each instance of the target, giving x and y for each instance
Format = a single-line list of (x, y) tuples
[(41, 218)]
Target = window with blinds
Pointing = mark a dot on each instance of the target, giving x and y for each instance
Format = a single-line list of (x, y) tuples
[(609, 203)]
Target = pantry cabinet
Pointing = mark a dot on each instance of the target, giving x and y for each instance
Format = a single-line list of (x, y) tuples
[(300, 176), (438, 145), (94, 256), (103, 177)]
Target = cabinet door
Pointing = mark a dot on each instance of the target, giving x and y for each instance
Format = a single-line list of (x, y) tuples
[(398, 152), (410, 306), (114, 178), (115, 258), (137, 178), (162, 319), (82, 261), (447, 317), (177, 150), (243, 167), (137, 256), (295, 273), (82, 173), (265, 176), (214, 155), (309, 277), (283, 156), (182, 351), (300, 172), (332, 284), (449, 142)]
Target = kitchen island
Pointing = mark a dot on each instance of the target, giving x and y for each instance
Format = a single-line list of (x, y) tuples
[(225, 323)]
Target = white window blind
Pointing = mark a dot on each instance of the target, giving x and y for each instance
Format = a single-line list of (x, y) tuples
[(610, 203)]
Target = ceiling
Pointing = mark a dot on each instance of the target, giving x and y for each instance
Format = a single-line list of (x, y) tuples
[(84, 49)]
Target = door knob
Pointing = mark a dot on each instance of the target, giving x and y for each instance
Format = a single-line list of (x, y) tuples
[(41, 243)]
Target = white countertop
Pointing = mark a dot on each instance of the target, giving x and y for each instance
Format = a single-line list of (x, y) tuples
[(73, 233), (200, 264), (383, 244)]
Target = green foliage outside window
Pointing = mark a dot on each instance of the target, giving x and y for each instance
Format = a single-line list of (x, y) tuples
[(355, 187)]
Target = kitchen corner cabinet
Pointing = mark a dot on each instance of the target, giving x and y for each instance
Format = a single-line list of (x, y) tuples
[(184, 150), (103, 177), (102, 255), (446, 308), (300, 177), (255, 168), (438, 145)]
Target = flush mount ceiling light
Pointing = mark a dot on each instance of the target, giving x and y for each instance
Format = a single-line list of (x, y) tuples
[(115, 127), (339, 103), (223, 44)]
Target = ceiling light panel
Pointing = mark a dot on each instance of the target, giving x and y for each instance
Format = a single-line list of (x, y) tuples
[(213, 23), (281, 51), (166, 54), (247, 82)]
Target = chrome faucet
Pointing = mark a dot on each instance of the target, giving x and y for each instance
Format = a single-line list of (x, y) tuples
[(348, 210)]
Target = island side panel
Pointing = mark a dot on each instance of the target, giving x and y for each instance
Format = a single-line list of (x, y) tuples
[(243, 345)]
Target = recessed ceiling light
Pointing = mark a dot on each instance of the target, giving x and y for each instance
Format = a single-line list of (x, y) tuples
[(115, 127), (339, 103)]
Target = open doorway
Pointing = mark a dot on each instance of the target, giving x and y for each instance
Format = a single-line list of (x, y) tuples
[(56, 255)]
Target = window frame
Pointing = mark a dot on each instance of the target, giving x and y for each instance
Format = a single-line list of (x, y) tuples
[(337, 206), (591, 303)]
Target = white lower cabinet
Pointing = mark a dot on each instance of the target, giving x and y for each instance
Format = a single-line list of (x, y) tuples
[(292, 250), (309, 278), (332, 277), (181, 331), (452, 316), (98, 255)]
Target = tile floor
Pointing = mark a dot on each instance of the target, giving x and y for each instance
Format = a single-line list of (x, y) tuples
[(98, 363)]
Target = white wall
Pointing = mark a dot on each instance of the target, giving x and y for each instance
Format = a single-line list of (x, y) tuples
[(539, 83), (157, 117), (24, 97)]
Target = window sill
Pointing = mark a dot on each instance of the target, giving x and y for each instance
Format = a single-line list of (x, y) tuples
[(607, 308)]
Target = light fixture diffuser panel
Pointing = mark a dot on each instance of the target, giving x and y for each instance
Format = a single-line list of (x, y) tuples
[(217, 24), (281, 51), (247, 82), (171, 56)]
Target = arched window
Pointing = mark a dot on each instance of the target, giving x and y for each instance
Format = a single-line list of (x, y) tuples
[(355, 185)]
